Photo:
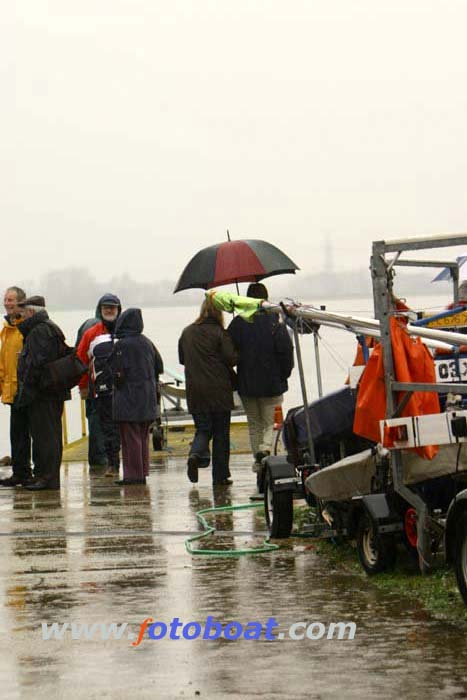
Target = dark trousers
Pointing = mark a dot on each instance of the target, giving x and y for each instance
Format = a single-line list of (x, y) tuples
[(110, 430), (20, 441), (215, 425), (135, 449), (96, 447), (45, 426)]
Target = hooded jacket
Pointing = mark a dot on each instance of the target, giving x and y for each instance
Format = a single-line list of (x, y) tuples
[(43, 342), (11, 341), (136, 365), (95, 349), (208, 354)]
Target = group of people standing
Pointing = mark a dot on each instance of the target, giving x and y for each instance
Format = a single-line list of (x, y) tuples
[(29, 341), (121, 383), (120, 387)]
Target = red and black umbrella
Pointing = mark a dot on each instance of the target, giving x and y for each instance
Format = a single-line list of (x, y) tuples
[(234, 261)]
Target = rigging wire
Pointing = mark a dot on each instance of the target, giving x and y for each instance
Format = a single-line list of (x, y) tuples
[(339, 360)]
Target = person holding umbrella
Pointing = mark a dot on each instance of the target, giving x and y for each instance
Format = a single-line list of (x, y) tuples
[(265, 363), (208, 354)]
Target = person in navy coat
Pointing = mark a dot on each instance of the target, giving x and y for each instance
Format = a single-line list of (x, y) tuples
[(136, 365)]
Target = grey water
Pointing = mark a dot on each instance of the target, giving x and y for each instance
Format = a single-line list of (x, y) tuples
[(164, 325)]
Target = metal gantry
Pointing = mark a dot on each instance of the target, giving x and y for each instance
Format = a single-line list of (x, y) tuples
[(382, 272)]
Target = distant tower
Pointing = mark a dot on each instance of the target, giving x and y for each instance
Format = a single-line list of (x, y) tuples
[(328, 254)]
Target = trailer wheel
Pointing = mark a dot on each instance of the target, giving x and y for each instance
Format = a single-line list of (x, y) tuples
[(460, 560), (375, 552), (278, 509), (260, 478)]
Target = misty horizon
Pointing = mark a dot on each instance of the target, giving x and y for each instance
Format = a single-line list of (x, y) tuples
[(76, 288), (136, 133)]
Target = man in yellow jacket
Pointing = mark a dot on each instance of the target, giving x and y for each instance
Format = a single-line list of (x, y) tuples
[(11, 344)]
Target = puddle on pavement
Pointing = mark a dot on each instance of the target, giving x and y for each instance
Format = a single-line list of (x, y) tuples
[(99, 553)]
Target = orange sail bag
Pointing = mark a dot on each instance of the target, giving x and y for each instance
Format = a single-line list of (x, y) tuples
[(412, 363)]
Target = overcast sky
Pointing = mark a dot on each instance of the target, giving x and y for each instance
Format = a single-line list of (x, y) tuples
[(135, 132)]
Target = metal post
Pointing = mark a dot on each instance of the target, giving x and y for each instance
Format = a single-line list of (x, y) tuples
[(382, 296), (455, 283), (318, 365), (83, 417), (178, 404), (304, 394)]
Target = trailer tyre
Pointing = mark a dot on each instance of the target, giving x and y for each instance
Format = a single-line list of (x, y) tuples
[(460, 561), (260, 480), (375, 552), (278, 509)]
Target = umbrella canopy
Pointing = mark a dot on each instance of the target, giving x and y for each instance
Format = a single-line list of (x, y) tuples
[(234, 261)]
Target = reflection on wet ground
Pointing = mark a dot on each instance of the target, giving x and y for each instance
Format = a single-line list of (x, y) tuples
[(102, 553)]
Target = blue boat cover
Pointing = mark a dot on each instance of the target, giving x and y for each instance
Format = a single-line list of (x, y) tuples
[(330, 416)]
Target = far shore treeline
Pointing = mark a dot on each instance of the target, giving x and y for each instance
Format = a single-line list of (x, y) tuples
[(77, 288)]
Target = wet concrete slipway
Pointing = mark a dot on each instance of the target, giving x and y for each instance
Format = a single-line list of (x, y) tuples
[(99, 553)]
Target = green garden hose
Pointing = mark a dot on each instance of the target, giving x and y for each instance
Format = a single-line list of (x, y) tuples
[(265, 547)]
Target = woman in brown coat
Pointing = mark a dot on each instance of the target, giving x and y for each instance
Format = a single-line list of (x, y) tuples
[(208, 354)]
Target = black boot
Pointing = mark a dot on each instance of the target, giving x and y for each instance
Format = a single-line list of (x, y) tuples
[(42, 485), (13, 481), (130, 482)]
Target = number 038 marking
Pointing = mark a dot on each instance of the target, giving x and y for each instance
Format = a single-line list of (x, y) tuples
[(446, 370)]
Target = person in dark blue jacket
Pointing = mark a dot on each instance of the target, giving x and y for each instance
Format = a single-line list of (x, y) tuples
[(136, 365), (43, 343), (264, 365)]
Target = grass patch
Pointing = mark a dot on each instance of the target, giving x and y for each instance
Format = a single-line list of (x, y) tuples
[(437, 592)]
